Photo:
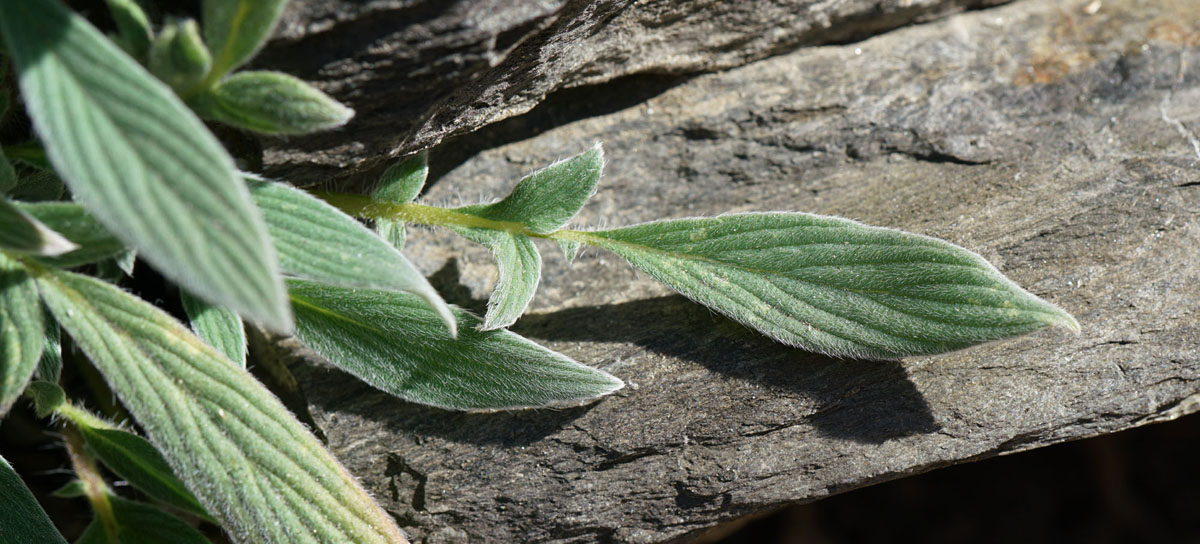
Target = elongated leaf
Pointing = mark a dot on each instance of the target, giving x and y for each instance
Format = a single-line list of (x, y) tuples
[(391, 341), (249, 462), (547, 199), (135, 460), (22, 519), (218, 326), (49, 367), (235, 29), (21, 331), (271, 103), (520, 267), (141, 162), (22, 233), (833, 285), (91, 240), (133, 26), (139, 523), (318, 242)]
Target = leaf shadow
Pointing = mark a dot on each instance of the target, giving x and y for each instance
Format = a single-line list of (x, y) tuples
[(858, 400)]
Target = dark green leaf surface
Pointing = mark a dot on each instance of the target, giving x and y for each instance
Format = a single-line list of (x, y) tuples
[(395, 343), (141, 162), (249, 462), (318, 242), (139, 523), (520, 268), (38, 185), (50, 365), (833, 285), (271, 103), (178, 56), (22, 520), (546, 200), (23, 233), (235, 29), (219, 327), (74, 223), (135, 460), (21, 331), (8, 176)]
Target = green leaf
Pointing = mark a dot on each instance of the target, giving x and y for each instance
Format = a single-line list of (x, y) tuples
[(391, 341), (38, 185), (125, 261), (20, 331), (235, 29), (402, 181), (50, 365), (132, 26), (249, 462), (135, 460), (833, 285), (318, 242), (47, 397), (91, 240), (178, 56), (22, 517), (22, 233), (218, 326), (546, 200), (271, 103), (71, 490), (570, 249), (8, 176), (139, 160), (520, 268), (393, 231), (139, 523)]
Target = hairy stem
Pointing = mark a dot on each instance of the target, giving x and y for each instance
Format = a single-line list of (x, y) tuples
[(94, 486)]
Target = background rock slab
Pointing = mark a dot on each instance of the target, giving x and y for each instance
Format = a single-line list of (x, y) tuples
[(1059, 144), (417, 71)]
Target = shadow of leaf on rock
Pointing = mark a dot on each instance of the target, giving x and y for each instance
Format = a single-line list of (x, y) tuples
[(858, 400)]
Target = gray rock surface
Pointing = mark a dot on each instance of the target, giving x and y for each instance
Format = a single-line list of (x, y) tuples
[(418, 71), (1060, 144)]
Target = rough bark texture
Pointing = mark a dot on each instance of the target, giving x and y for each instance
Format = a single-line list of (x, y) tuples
[(418, 71), (1056, 142)]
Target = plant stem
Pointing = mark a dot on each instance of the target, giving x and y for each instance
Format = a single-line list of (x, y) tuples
[(94, 486)]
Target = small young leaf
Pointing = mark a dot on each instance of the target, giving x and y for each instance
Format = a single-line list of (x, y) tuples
[(20, 331), (547, 199), (393, 342), (235, 29), (833, 285), (402, 182), (50, 365), (139, 160), (393, 231), (72, 489), (133, 26), (126, 261), (22, 233), (520, 268), (135, 460), (178, 56), (318, 242), (249, 462), (22, 518), (270, 103), (93, 242), (220, 327), (8, 175), (570, 249), (47, 397), (139, 523)]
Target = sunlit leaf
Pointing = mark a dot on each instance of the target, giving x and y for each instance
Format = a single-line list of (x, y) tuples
[(21, 331), (141, 162), (394, 342), (833, 285), (520, 268), (235, 29), (270, 103), (249, 462), (399, 184), (218, 326), (132, 25), (22, 518), (546, 200)]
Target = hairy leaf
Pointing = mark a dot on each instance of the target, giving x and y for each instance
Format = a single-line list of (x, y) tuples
[(135, 460), (218, 326), (22, 233), (139, 523), (235, 29), (133, 26), (271, 103), (570, 249), (49, 366), (93, 242), (47, 397), (393, 342), (520, 268), (139, 160), (399, 184), (833, 285), (249, 462), (546, 200), (22, 518), (178, 56), (318, 242), (21, 331)]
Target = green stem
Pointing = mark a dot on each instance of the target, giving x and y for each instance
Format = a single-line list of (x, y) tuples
[(94, 487)]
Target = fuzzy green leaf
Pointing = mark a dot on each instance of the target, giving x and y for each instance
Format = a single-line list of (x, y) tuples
[(37, 186), (93, 242), (21, 331), (546, 200), (271, 103), (71, 490), (394, 342), (8, 176), (570, 249), (220, 327), (139, 523), (393, 231), (139, 160), (47, 397), (318, 242), (250, 463), (50, 365), (402, 181), (235, 29), (178, 56), (132, 25), (835, 286), (22, 518), (520, 267), (23, 233), (136, 461)]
